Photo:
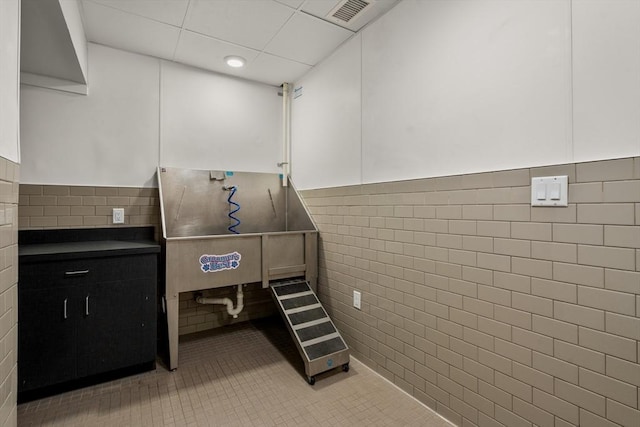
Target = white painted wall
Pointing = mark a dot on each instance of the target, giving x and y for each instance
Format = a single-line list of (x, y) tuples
[(211, 121), (142, 112), (451, 86), (606, 78), (432, 88), (9, 79), (108, 138), (326, 116), (465, 86)]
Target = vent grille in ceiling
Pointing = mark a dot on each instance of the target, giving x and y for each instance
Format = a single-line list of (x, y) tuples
[(349, 9)]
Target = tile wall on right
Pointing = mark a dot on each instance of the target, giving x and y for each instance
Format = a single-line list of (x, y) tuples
[(488, 310)]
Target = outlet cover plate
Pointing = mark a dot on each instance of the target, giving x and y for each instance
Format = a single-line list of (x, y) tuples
[(118, 215), (357, 300)]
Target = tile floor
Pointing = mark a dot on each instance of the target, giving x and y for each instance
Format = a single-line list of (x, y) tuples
[(244, 375)]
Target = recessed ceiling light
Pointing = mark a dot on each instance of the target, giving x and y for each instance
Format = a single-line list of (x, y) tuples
[(235, 61)]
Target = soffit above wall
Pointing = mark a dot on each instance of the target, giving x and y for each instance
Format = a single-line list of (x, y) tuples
[(46, 46)]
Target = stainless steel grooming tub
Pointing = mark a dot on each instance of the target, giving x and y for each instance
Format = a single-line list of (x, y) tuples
[(277, 240)]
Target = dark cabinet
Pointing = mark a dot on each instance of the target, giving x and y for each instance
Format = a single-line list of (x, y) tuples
[(119, 329), (47, 336), (82, 316)]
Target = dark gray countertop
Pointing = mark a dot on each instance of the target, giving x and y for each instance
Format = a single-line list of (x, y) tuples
[(97, 246), (41, 245)]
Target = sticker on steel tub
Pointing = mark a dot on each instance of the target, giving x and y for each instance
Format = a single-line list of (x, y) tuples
[(215, 263)]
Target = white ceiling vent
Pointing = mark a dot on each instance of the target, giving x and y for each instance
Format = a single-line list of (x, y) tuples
[(348, 10)]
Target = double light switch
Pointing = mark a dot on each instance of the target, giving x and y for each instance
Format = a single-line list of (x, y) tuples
[(549, 191)]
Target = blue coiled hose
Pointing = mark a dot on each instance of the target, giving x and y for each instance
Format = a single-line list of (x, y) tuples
[(232, 227)]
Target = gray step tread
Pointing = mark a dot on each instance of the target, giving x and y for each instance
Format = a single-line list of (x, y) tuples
[(315, 331), (311, 326), (316, 351)]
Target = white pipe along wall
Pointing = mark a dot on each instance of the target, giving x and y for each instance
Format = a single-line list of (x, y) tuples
[(285, 133)]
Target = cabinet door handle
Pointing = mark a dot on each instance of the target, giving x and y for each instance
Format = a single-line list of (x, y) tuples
[(65, 308), (86, 306), (76, 272)]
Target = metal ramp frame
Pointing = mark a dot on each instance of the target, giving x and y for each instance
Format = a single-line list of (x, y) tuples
[(318, 341)]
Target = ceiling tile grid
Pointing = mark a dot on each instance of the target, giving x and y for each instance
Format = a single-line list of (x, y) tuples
[(280, 39), (247, 23), (192, 46), (307, 39), (167, 11), (274, 70), (126, 31), (295, 4)]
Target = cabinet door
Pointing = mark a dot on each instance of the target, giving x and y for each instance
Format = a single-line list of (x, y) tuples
[(118, 325), (47, 336)]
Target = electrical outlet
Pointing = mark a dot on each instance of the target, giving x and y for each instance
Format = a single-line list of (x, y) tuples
[(357, 299), (118, 215)]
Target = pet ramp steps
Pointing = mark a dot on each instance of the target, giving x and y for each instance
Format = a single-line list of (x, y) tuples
[(320, 344)]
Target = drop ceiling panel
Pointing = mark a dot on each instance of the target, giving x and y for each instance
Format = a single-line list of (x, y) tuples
[(307, 39), (319, 8), (167, 11), (248, 23), (277, 37), (129, 32), (208, 53), (291, 3), (274, 70)]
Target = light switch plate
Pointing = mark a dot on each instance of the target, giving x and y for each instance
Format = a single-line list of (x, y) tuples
[(550, 191)]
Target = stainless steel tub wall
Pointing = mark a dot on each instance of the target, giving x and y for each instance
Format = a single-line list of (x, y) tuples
[(194, 204), (263, 257), (278, 239)]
